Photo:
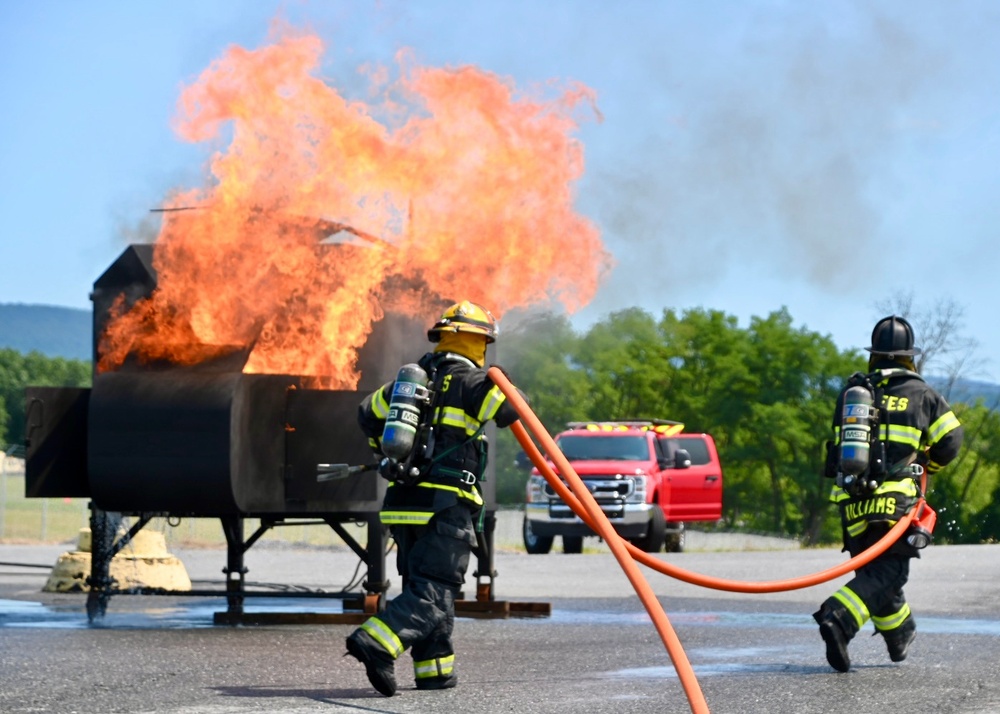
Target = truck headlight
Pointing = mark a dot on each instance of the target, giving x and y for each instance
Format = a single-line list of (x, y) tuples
[(535, 491), (638, 494)]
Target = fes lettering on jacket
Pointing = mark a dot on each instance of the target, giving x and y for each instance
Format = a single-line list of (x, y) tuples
[(895, 404)]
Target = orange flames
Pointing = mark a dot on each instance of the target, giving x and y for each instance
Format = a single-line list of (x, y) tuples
[(454, 187)]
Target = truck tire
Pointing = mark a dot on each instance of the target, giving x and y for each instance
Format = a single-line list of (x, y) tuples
[(572, 544), (535, 544), (656, 533), (677, 539)]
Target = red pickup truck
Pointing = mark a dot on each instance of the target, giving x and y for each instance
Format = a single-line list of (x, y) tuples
[(649, 477)]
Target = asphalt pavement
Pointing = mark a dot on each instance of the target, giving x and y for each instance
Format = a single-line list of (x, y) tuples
[(597, 652)]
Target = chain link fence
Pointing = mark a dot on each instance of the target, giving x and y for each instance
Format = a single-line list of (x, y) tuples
[(59, 520)]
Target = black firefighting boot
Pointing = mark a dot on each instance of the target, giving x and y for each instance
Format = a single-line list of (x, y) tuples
[(898, 641), (446, 681), (836, 632), (379, 664)]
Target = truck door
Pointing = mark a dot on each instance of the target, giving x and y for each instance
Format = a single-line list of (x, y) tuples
[(695, 491)]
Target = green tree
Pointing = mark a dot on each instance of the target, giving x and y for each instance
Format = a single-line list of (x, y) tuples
[(536, 353), (18, 371), (964, 493), (4, 419), (624, 366), (799, 374)]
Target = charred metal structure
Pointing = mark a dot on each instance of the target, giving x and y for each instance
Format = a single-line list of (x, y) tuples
[(209, 441)]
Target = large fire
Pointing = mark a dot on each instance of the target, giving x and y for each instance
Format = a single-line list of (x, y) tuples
[(449, 185)]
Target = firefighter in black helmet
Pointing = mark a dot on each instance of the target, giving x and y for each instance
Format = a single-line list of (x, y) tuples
[(917, 428), (431, 509)]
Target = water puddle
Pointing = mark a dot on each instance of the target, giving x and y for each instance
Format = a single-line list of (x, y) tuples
[(200, 613), (188, 615), (770, 620)]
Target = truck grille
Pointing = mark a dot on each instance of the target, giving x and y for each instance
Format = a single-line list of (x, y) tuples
[(604, 489), (610, 493)]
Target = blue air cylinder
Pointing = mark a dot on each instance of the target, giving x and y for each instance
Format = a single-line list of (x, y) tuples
[(409, 394), (857, 421)]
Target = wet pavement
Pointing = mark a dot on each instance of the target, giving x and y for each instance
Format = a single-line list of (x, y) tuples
[(597, 652)]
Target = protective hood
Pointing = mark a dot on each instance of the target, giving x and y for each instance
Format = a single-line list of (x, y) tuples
[(466, 344)]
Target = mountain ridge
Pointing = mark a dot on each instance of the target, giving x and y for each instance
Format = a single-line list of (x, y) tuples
[(51, 330), (66, 332)]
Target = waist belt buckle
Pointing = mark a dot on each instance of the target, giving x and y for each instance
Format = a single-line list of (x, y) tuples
[(468, 478)]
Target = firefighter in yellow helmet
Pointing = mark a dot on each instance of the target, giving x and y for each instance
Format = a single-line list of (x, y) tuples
[(916, 429), (433, 507)]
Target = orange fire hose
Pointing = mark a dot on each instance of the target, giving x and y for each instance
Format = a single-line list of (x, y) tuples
[(584, 505), (600, 523)]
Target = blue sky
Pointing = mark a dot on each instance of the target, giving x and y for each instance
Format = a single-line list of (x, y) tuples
[(752, 155)]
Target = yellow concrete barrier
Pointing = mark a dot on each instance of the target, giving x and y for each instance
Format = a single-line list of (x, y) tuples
[(143, 563)]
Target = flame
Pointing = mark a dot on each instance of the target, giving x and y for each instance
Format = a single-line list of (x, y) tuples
[(451, 185)]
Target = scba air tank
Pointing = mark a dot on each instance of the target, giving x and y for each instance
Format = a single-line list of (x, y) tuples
[(409, 394), (857, 422)]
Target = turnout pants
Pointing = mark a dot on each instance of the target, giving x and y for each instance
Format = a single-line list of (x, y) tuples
[(432, 560), (876, 592)]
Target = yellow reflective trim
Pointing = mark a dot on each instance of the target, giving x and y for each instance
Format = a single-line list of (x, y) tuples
[(857, 528), (948, 422), (491, 405), (380, 407), (908, 435), (440, 667), (469, 495), (838, 494), (382, 634), (907, 487), (891, 622), (855, 605), (405, 518), (457, 418), (420, 518)]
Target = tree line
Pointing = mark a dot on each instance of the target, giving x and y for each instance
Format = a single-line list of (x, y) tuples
[(765, 392)]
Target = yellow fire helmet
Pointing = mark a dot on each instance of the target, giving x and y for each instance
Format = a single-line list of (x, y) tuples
[(465, 316)]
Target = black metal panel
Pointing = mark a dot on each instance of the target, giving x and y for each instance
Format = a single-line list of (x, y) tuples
[(324, 429), (187, 443), (258, 436), (132, 277), (56, 441)]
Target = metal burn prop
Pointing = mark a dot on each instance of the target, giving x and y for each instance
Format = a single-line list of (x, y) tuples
[(207, 440)]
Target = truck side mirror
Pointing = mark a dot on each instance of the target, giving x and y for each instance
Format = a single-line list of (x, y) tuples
[(522, 461), (682, 459)]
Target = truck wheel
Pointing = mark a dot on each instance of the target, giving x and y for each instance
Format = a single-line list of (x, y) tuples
[(572, 544), (535, 544), (656, 533), (677, 539)]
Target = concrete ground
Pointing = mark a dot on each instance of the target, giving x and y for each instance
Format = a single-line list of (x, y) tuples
[(597, 652)]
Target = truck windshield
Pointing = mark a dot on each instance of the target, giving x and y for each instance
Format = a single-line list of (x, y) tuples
[(610, 448)]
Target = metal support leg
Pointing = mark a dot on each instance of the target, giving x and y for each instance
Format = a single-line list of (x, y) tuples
[(485, 571), (103, 526), (377, 582), (235, 571)]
